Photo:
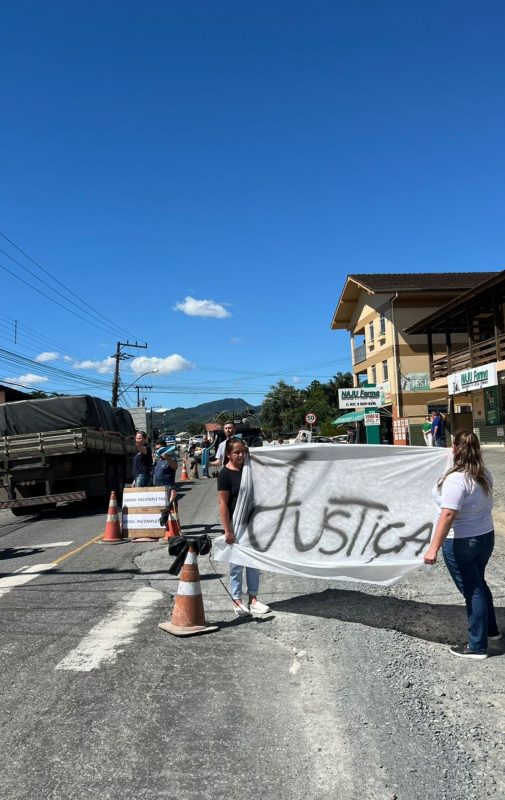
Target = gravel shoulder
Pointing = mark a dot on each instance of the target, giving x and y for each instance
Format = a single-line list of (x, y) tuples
[(382, 709)]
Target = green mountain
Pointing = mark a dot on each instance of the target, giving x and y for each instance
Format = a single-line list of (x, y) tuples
[(178, 419)]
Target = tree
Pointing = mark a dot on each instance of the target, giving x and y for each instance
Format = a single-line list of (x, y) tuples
[(224, 416), (342, 380), (282, 407), (194, 427)]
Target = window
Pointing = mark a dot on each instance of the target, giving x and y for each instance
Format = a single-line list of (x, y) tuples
[(371, 335), (374, 374), (385, 374), (382, 325)]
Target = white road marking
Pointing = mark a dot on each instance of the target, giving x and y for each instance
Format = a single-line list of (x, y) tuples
[(103, 643), (295, 666), (49, 544), (20, 578)]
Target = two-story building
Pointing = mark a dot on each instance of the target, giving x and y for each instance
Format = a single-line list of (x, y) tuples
[(377, 309), (470, 371)]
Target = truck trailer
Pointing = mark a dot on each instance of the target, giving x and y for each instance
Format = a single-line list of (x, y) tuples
[(62, 449)]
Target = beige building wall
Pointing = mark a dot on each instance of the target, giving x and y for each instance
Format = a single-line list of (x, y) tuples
[(411, 352)]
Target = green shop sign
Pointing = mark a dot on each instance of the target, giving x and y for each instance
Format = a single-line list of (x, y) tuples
[(469, 380)]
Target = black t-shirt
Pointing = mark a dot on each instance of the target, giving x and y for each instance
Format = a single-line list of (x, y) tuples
[(142, 464), (229, 480)]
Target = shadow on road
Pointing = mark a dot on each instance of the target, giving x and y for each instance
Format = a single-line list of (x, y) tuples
[(444, 624), (19, 552)]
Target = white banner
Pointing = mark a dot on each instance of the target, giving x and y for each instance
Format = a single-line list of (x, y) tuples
[(357, 512)]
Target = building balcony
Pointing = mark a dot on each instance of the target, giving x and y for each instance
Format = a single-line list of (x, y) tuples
[(359, 353), (479, 353)]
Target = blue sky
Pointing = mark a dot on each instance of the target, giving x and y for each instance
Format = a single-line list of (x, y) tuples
[(203, 176)]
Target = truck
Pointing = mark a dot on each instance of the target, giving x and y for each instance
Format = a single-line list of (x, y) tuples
[(63, 449)]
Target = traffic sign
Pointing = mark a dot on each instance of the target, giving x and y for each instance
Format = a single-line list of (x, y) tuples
[(310, 418)]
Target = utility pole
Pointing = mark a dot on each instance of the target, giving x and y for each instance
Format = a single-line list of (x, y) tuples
[(120, 356), (138, 388)]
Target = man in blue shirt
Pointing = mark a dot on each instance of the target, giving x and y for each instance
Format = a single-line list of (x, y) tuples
[(437, 429), (165, 464)]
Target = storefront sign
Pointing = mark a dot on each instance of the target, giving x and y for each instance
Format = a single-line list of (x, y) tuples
[(372, 419), (416, 382), (471, 379), (362, 397)]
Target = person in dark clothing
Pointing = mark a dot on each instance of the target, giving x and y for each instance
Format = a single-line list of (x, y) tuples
[(165, 464), (228, 487), (437, 429), (351, 435), (142, 461)]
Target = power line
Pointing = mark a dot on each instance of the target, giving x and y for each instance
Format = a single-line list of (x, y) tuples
[(69, 291), (39, 291)]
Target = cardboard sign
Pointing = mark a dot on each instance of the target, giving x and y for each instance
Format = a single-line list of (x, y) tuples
[(142, 509)]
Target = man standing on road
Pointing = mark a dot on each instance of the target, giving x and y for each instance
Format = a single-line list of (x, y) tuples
[(229, 431), (437, 430)]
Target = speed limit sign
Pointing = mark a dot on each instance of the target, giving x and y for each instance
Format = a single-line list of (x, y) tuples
[(310, 418)]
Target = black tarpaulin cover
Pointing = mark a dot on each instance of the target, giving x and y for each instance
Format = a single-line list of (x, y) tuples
[(60, 413), (124, 421)]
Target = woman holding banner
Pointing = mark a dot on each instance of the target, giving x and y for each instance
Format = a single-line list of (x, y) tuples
[(228, 486), (464, 531)]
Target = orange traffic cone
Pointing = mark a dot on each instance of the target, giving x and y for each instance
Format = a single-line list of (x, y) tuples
[(184, 472), (112, 533), (188, 616), (173, 527)]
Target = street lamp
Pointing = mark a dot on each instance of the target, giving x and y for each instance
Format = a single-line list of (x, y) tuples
[(150, 372)]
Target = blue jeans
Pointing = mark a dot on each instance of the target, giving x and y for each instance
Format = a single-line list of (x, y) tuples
[(252, 576), (466, 561), (438, 442), (143, 480)]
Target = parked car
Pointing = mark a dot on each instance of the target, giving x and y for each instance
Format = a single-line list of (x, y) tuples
[(342, 439)]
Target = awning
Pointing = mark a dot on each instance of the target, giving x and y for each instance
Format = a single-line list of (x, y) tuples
[(352, 416)]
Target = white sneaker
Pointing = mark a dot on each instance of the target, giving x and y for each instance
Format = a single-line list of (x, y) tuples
[(241, 609), (259, 608), (496, 637)]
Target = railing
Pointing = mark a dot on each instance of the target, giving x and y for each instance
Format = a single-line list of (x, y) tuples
[(481, 353), (360, 353)]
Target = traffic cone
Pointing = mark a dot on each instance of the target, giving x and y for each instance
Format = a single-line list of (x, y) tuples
[(172, 526), (112, 533), (194, 472), (188, 616), (184, 472)]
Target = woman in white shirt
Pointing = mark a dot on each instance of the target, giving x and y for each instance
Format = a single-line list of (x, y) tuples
[(464, 531)]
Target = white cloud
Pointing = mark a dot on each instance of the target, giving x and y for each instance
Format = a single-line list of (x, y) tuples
[(29, 379), (67, 358), (165, 366), (295, 379), (42, 357), (104, 367), (236, 340), (202, 308)]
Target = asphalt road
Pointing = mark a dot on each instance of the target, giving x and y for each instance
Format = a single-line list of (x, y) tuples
[(342, 692)]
